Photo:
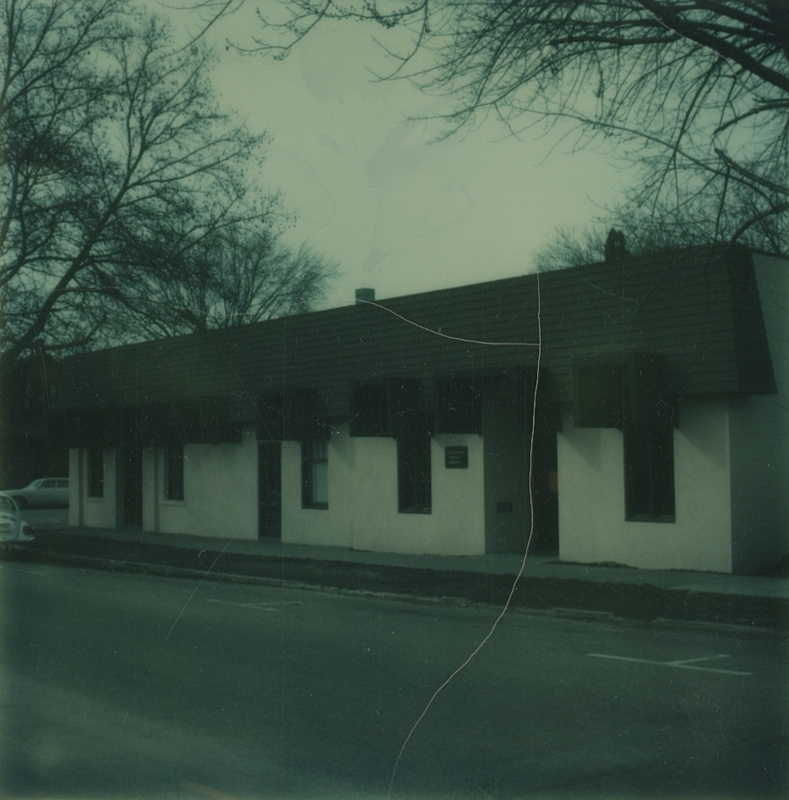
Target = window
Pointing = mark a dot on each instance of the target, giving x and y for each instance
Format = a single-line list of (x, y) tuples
[(414, 482), (96, 472), (649, 471), (315, 473), (397, 407), (174, 472)]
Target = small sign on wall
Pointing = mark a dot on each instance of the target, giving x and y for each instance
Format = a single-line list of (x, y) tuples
[(456, 457)]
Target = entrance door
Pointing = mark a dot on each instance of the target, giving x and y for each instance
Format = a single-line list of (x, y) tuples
[(269, 489), (132, 487), (545, 482)]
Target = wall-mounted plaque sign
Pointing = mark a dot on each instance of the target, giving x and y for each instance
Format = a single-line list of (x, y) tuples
[(456, 457)]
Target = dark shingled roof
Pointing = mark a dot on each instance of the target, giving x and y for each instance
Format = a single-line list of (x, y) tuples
[(698, 308)]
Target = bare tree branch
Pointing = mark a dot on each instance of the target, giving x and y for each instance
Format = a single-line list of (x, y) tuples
[(675, 84), (123, 181)]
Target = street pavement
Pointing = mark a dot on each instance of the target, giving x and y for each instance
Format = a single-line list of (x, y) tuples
[(546, 583), (121, 685)]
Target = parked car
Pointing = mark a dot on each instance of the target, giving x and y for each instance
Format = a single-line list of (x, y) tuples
[(42, 493), (12, 526)]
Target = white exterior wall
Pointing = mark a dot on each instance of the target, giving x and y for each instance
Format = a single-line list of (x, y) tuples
[(592, 525), (220, 491), (362, 511), (92, 512), (760, 438)]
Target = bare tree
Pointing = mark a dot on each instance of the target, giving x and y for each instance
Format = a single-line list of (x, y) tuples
[(230, 278), (697, 91), (570, 247), (119, 172), (671, 228)]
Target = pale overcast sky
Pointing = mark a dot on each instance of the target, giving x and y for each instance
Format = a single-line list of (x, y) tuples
[(395, 211)]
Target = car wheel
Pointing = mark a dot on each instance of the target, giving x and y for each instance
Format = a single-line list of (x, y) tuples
[(21, 503)]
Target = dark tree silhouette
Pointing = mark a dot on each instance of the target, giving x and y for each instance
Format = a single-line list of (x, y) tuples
[(695, 91), (121, 180)]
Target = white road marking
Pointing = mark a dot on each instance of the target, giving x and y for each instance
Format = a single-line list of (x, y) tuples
[(689, 663), (258, 606)]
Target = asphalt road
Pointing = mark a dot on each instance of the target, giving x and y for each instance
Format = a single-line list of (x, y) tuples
[(127, 685)]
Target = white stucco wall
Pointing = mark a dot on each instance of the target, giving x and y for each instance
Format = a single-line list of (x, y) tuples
[(592, 525), (362, 511), (92, 512), (760, 438), (220, 491)]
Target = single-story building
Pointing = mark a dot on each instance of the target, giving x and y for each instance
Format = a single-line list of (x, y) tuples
[(636, 411)]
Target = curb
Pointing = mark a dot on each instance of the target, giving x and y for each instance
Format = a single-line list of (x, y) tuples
[(639, 602)]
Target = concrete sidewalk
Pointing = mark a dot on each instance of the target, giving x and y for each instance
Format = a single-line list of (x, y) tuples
[(537, 566), (546, 582)]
